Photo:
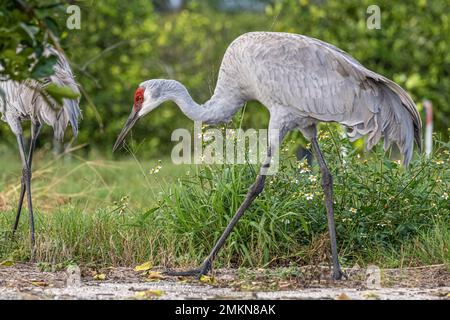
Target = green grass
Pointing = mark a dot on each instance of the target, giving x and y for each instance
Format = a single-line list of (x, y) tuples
[(87, 183), (117, 213)]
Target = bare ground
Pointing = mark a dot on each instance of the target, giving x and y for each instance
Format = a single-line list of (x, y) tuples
[(26, 281)]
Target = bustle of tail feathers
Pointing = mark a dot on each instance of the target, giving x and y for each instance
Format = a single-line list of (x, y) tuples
[(63, 76), (396, 119)]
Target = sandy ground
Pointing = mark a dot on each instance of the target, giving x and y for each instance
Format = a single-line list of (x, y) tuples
[(26, 281)]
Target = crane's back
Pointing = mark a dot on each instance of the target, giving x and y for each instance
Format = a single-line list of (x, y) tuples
[(317, 80), (24, 100)]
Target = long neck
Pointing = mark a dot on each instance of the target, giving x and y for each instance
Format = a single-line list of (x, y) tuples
[(215, 110)]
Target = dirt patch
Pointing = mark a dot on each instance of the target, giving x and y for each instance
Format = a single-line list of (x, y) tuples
[(26, 281)]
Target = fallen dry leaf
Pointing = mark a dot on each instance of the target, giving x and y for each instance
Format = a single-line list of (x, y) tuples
[(7, 263), (144, 267), (155, 276), (39, 283), (208, 280), (100, 276), (149, 293), (343, 296)]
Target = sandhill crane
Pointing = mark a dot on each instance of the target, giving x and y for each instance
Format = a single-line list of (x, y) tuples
[(301, 81), (25, 101)]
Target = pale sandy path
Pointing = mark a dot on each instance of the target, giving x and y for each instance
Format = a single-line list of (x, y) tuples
[(25, 281)]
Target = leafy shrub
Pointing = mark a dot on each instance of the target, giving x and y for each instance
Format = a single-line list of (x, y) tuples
[(121, 44), (379, 206), (384, 214)]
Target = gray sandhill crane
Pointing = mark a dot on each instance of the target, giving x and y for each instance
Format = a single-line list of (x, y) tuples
[(24, 101), (301, 81)]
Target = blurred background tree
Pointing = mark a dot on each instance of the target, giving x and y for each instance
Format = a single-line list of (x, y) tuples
[(121, 44), (26, 27)]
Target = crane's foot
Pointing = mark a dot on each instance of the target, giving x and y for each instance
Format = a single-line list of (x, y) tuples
[(338, 274), (184, 273), (198, 272)]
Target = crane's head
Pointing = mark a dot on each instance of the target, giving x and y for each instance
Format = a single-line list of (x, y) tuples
[(139, 97), (149, 95), (146, 98)]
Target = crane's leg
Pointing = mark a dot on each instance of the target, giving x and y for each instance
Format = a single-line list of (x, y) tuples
[(35, 130), (327, 185), (26, 173), (275, 136), (253, 192)]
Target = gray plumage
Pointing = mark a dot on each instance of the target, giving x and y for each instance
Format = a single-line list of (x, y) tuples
[(309, 81), (22, 102), (301, 81), (319, 81)]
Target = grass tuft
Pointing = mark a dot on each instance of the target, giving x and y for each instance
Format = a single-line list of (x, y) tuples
[(113, 215)]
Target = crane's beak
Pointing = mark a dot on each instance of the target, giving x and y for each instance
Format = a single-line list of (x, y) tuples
[(132, 119)]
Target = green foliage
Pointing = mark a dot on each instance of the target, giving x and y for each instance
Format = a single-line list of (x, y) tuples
[(411, 47), (121, 44), (384, 214), (30, 26), (59, 93), (379, 206), (26, 29)]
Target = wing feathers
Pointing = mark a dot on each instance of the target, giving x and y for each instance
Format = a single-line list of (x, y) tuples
[(321, 81)]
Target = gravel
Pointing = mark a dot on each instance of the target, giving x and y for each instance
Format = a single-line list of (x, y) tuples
[(25, 281)]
